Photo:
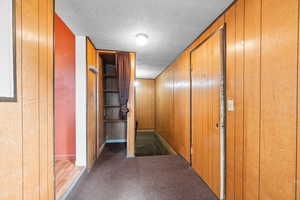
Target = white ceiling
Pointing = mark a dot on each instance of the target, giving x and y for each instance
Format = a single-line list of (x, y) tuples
[(170, 24)]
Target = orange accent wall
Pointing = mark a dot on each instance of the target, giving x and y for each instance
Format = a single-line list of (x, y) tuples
[(65, 138)]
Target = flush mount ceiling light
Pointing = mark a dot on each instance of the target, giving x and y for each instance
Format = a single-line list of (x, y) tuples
[(141, 39)]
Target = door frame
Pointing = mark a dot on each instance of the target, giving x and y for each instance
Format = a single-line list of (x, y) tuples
[(223, 107)]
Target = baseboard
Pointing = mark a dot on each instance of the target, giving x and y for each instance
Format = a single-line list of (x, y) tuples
[(75, 184), (166, 145), (100, 150), (146, 130), (130, 156)]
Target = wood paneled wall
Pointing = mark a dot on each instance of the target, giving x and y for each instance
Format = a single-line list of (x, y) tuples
[(262, 77), (173, 105), (145, 104), (26, 128), (92, 110), (131, 106)]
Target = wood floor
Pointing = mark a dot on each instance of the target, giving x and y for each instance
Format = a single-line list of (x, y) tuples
[(65, 173)]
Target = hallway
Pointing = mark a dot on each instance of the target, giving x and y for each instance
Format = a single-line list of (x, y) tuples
[(150, 100), (143, 178)]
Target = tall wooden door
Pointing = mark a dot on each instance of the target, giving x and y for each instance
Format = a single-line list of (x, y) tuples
[(207, 109), (92, 117), (92, 84)]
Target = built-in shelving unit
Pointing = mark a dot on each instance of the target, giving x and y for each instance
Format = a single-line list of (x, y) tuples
[(114, 127)]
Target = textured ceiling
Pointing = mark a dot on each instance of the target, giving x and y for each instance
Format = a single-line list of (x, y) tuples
[(170, 24)]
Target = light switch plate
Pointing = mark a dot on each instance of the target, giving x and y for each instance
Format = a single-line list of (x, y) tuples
[(230, 105)]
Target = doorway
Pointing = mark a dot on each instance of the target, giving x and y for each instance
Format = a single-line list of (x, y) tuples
[(208, 111)]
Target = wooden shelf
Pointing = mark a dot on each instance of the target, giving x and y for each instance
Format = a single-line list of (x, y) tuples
[(111, 91), (111, 106), (114, 120)]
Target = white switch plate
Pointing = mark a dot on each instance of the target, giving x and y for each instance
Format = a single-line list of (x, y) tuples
[(230, 105)]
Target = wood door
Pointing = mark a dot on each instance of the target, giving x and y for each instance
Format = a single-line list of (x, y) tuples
[(207, 107), (92, 88), (92, 117)]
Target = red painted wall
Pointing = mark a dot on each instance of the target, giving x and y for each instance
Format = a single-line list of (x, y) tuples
[(65, 138)]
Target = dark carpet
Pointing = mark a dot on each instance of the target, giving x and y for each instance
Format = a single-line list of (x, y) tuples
[(148, 144), (143, 178)]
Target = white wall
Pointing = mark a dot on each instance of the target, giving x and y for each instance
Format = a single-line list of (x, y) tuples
[(81, 101), (6, 49)]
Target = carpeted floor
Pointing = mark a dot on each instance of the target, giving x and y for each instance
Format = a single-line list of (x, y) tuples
[(147, 144), (142, 178)]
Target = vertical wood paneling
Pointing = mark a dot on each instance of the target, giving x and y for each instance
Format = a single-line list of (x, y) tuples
[(239, 100), (230, 91), (30, 79), (252, 98), (131, 107), (278, 99), (92, 103), (182, 105), (43, 98), (261, 79), (11, 138), (27, 125), (145, 104), (50, 142), (164, 116), (298, 116), (206, 84), (199, 123)]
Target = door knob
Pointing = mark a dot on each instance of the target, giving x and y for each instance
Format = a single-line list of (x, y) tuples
[(218, 125)]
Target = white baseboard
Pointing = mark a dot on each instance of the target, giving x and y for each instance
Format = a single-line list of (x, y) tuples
[(130, 156)]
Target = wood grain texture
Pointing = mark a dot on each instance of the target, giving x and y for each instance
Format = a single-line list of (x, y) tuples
[(206, 64), (278, 99), (298, 118), (262, 80), (252, 99), (230, 92), (131, 107), (27, 125), (92, 104), (145, 103), (239, 100), (164, 106), (182, 105)]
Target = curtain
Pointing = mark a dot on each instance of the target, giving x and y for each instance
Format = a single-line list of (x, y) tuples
[(123, 66)]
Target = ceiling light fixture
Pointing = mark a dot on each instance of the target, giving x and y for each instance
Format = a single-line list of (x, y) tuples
[(141, 39), (136, 83)]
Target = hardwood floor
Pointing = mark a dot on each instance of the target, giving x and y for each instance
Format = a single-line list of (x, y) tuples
[(65, 173)]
